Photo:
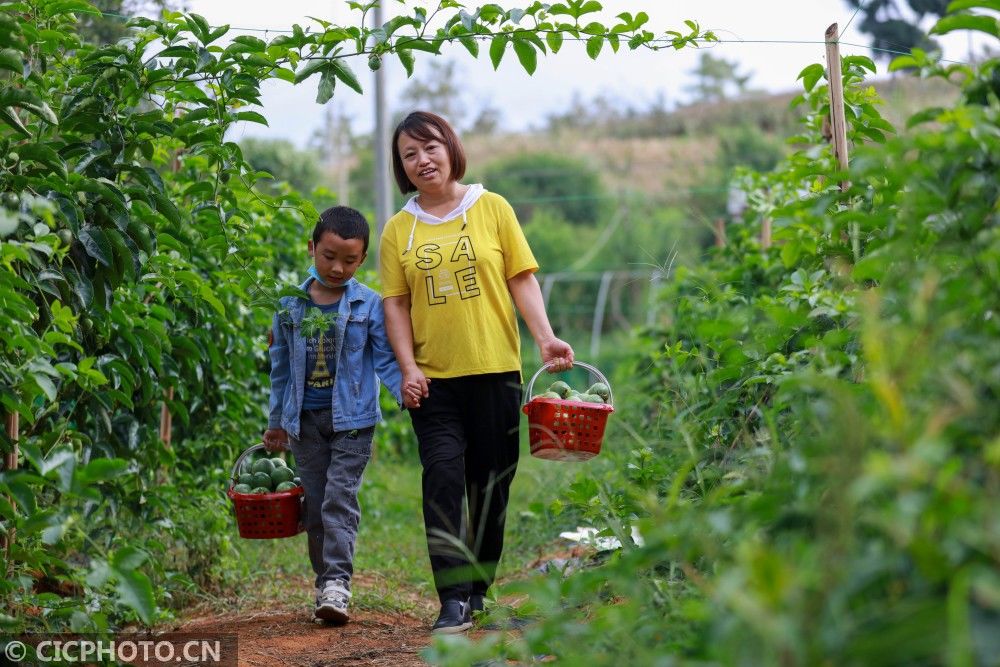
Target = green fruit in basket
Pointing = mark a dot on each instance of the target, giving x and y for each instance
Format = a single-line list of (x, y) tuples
[(261, 490), (261, 479), (600, 389), (262, 465), (560, 388), (591, 398), (245, 478), (281, 475), (278, 462), (548, 394), (286, 486), (574, 397), (242, 488)]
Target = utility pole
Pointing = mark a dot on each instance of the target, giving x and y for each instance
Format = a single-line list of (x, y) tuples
[(336, 151), (383, 196)]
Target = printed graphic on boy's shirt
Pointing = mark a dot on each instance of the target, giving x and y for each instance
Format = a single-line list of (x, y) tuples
[(321, 361), (447, 273)]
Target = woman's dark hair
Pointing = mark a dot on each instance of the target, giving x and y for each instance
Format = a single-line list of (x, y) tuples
[(425, 126), (345, 222)]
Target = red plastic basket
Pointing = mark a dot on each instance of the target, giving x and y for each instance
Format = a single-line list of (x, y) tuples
[(266, 515), (561, 430)]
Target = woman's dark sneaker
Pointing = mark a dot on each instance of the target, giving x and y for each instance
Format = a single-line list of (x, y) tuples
[(454, 618), (476, 603)]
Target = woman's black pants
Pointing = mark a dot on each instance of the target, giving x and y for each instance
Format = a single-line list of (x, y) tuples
[(467, 433)]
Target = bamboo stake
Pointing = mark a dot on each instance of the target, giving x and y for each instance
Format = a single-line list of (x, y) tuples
[(838, 118), (765, 233), (13, 425), (166, 419), (720, 232)]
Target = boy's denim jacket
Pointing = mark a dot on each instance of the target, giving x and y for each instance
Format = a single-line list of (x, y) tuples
[(363, 352)]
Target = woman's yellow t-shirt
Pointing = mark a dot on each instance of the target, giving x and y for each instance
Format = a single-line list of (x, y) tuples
[(460, 306)]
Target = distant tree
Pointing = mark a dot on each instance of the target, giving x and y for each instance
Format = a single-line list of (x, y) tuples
[(895, 24), (486, 122), (111, 27), (281, 159), (437, 90), (535, 181), (717, 79)]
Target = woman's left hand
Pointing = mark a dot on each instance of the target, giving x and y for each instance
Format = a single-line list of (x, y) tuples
[(558, 353)]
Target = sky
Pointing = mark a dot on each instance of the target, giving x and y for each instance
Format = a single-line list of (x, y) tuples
[(523, 101)]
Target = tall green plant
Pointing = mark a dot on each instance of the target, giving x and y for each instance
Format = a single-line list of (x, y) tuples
[(815, 459)]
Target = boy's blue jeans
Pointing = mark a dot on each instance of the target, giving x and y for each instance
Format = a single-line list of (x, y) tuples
[(330, 465)]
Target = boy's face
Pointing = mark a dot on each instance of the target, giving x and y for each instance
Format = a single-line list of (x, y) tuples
[(336, 258)]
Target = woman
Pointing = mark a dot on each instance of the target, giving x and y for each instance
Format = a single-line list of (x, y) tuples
[(452, 261)]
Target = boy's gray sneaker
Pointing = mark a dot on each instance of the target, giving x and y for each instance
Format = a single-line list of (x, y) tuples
[(332, 601)]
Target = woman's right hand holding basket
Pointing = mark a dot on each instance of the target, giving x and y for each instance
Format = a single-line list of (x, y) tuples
[(557, 353)]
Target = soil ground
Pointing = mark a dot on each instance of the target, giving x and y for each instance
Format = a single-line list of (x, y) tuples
[(283, 633)]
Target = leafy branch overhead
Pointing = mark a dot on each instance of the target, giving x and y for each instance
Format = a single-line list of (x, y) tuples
[(538, 29)]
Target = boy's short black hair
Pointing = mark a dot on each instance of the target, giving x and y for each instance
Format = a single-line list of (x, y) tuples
[(345, 222)]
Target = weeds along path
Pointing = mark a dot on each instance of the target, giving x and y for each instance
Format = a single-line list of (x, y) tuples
[(279, 633)]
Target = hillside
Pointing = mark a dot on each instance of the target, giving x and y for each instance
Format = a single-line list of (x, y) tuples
[(657, 155)]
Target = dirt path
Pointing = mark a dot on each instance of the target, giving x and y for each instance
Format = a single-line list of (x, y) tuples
[(284, 634)]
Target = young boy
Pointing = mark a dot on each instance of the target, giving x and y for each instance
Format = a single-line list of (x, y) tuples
[(326, 351)]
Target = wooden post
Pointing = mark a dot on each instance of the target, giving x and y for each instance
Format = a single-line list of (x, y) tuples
[(838, 119), (765, 233), (166, 421), (13, 426), (720, 232), (166, 427)]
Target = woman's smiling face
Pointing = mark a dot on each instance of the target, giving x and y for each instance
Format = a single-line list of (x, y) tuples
[(427, 163)]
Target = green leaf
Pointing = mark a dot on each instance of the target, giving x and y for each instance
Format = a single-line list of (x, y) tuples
[(70, 6), (975, 22), (178, 51), (810, 75), (344, 73), (406, 58), (313, 66), (526, 54), (10, 117), (924, 116), (959, 5), (555, 40), (861, 61), (10, 60), (29, 101), (327, 84), (423, 45), (594, 45), (471, 45), (208, 295), (96, 244), (251, 117), (166, 208), (497, 47), (136, 592), (62, 461), (128, 559)]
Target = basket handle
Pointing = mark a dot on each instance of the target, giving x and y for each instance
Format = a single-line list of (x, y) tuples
[(592, 369), (243, 457)]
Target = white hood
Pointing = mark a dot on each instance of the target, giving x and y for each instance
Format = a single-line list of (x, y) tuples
[(472, 195)]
